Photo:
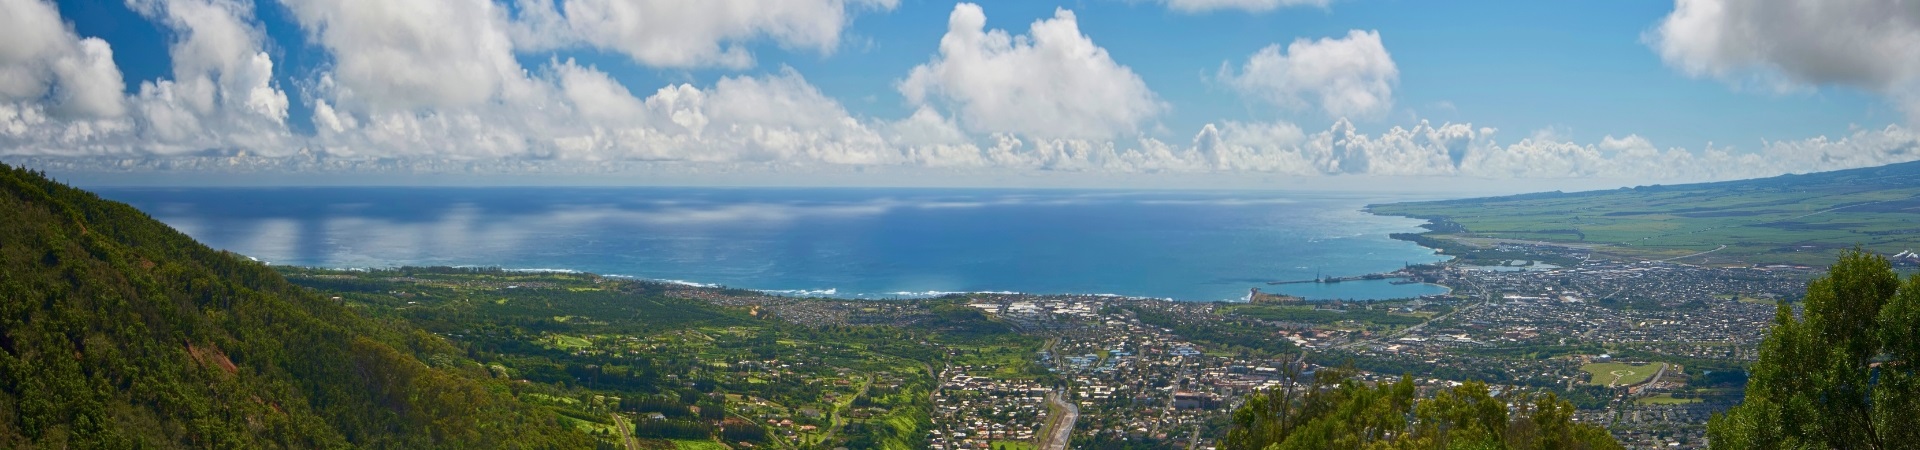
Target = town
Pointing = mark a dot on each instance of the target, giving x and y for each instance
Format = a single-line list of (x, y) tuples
[(1648, 349)]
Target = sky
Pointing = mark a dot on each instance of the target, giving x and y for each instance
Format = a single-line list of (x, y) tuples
[(1340, 93)]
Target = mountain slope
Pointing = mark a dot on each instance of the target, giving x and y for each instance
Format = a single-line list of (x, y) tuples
[(118, 332), (1803, 219)]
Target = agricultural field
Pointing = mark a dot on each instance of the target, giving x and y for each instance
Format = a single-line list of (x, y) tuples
[(1792, 219), (1619, 374)]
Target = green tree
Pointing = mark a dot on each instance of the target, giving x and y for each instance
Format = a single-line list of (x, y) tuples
[(116, 331), (1841, 375), (1334, 411)]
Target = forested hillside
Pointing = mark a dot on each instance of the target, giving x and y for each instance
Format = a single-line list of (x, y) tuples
[(118, 332), (1334, 410)]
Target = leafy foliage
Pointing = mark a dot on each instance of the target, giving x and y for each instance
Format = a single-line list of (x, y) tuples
[(1842, 374), (118, 332), (1334, 411)]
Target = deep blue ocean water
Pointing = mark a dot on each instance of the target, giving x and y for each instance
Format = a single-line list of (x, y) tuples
[(856, 243)]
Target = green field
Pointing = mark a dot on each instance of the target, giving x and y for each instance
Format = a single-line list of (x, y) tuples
[(570, 342), (1665, 399), (1795, 219), (1012, 445), (698, 445), (1619, 374)]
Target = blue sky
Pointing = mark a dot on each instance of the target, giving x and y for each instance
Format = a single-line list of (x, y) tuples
[(1640, 90)]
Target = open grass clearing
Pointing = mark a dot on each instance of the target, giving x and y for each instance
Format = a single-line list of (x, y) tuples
[(1619, 374), (1012, 445), (1665, 399), (683, 444), (564, 342)]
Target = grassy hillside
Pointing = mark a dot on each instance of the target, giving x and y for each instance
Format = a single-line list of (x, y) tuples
[(118, 332), (1801, 219)]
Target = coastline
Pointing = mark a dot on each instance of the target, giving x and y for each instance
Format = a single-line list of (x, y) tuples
[(1189, 247), (835, 294)]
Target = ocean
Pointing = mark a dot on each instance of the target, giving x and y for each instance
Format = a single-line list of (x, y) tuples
[(846, 243)]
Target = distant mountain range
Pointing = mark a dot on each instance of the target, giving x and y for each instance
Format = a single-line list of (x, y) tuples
[(1789, 219)]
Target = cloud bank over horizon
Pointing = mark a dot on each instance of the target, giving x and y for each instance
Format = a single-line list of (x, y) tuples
[(449, 85)]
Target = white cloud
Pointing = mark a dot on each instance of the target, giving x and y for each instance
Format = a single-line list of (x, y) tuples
[(222, 93), (990, 102), (40, 55), (579, 113), (596, 96), (402, 56), (673, 33), (1053, 82), (1867, 44), (1351, 76), (775, 118), (1197, 6)]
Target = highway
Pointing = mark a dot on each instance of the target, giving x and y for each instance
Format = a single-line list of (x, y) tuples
[(1060, 429)]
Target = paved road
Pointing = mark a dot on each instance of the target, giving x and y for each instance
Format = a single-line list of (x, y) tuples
[(626, 432), (1657, 375), (837, 421), (1722, 247), (1060, 431)]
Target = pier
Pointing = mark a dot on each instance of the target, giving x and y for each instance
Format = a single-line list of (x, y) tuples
[(1331, 280)]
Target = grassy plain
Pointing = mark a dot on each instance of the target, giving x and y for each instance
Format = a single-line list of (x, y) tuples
[(1793, 219), (684, 444), (1013, 445), (1609, 374), (1665, 399)]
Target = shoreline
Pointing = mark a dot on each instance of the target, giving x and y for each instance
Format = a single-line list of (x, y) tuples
[(834, 294)]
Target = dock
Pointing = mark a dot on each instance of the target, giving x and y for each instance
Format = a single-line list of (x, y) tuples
[(1331, 280)]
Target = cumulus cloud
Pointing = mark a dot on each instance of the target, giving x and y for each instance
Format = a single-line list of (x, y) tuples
[(1351, 76), (1445, 150), (1197, 6), (1867, 44), (989, 102), (1053, 82), (671, 33), (222, 93), (416, 54), (756, 119), (42, 57), (1463, 150), (579, 113)]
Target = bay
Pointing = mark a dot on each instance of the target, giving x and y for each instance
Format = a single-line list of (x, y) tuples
[(848, 243)]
